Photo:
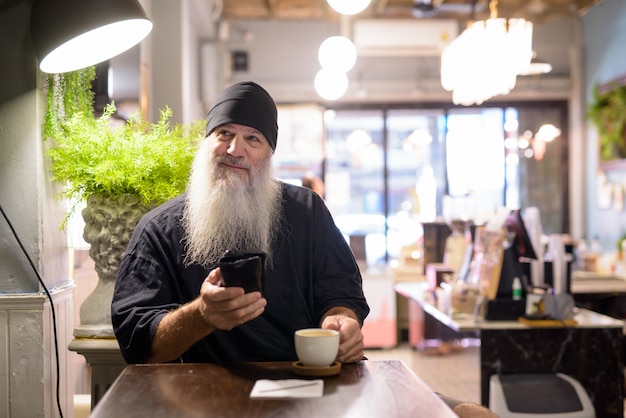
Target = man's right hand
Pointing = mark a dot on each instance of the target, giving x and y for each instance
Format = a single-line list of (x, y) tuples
[(215, 308), (227, 307)]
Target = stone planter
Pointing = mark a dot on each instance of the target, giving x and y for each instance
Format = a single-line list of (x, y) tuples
[(109, 223)]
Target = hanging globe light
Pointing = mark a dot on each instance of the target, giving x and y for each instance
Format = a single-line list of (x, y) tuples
[(348, 7), (330, 84), (337, 53)]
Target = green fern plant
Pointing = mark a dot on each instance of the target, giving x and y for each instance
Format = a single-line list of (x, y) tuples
[(92, 156), (608, 114)]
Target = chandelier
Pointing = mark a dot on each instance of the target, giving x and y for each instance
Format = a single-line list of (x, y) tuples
[(485, 60)]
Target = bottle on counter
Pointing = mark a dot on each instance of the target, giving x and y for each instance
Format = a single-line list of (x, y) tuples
[(517, 289)]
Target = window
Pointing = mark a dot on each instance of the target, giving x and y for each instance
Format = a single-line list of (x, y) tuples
[(354, 178), (387, 170)]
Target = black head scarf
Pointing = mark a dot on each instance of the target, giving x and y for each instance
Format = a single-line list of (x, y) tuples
[(245, 103)]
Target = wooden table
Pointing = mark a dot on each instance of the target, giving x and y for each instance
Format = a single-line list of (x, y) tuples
[(366, 389)]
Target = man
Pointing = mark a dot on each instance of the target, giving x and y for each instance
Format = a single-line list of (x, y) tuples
[(168, 304)]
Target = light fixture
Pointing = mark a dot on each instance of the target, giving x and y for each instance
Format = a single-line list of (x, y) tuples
[(535, 146), (337, 53), (485, 60), (536, 67), (418, 138), (68, 35), (337, 56), (547, 132), (349, 7), (330, 84), (358, 138)]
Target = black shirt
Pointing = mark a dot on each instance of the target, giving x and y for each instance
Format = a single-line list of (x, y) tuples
[(314, 270)]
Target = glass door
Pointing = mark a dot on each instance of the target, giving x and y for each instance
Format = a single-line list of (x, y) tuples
[(354, 180), (475, 158), (416, 175), (387, 170)]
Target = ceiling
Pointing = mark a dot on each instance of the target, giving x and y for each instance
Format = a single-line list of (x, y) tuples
[(462, 10)]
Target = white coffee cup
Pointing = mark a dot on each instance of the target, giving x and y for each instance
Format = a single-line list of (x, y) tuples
[(316, 347)]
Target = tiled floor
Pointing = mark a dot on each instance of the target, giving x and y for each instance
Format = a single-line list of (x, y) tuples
[(456, 375)]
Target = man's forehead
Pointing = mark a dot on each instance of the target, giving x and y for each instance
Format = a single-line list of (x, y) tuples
[(237, 126)]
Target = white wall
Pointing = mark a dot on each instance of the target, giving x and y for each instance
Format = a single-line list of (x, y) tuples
[(604, 36), (173, 64), (166, 63), (27, 375), (26, 195)]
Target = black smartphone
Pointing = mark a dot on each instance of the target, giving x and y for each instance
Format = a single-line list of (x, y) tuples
[(243, 269)]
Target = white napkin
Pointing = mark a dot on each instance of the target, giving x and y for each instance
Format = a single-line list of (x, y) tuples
[(287, 388)]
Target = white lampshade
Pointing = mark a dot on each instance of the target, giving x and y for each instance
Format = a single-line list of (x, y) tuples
[(337, 53), (349, 7), (331, 85), (68, 35)]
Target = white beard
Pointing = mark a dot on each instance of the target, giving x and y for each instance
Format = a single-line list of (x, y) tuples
[(225, 211)]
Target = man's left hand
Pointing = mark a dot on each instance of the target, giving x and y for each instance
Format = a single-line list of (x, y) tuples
[(350, 336)]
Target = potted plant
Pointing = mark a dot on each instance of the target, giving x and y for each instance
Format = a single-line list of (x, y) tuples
[(119, 172), (608, 114)]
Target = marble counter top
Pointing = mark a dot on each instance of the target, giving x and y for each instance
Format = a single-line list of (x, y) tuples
[(464, 322), (597, 282)]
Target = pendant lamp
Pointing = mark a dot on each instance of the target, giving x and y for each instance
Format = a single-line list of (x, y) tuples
[(68, 35)]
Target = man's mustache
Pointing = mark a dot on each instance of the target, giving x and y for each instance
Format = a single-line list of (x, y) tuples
[(236, 161)]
